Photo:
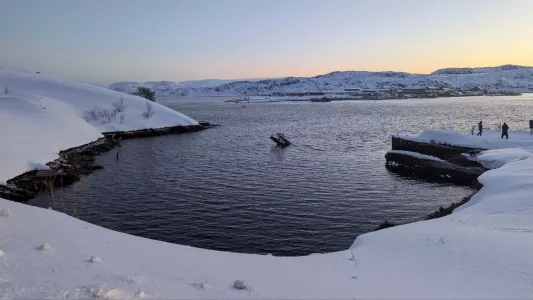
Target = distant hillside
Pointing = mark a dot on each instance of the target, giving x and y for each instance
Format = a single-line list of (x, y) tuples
[(507, 77), (214, 82)]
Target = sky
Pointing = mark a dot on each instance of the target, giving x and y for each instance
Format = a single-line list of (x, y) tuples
[(104, 41)]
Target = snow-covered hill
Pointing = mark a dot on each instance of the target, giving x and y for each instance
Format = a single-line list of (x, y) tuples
[(164, 88), (41, 115), (507, 77)]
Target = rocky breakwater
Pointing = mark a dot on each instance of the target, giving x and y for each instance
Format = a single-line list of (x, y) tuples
[(75, 162)]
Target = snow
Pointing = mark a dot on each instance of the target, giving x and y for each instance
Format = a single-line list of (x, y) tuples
[(42, 115), (482, 250), (241, 285), (33, 130), (416, 154), (83, 97), (489, 140), (45, 247), (507, 77), (469, 156), (493, 159), (95, 259), (5, 212)]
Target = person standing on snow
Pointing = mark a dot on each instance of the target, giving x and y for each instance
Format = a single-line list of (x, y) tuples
[(505, 129), (480, 126)]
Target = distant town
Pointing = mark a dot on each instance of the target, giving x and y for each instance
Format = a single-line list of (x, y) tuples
[(388, 93)]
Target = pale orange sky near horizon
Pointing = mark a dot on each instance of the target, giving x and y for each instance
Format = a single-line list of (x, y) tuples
[(102, 41)]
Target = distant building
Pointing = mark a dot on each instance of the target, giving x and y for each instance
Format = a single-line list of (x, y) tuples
[(414, 91), (372, 91), (303, 93)]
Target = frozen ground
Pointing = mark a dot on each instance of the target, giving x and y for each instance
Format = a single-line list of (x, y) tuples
[(483, 250)]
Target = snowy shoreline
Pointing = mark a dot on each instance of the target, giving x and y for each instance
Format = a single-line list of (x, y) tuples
[(482, 250), (74, 162), (461, 255)]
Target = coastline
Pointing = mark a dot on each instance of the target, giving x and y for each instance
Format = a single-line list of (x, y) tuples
[(77, 161)]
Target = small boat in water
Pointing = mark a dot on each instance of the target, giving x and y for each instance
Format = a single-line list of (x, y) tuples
[(280, 139)]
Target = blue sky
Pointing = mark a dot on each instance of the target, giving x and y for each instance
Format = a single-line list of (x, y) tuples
[(102, 41)]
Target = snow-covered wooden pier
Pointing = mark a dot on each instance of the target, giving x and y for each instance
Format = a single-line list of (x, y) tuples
[(434, 160), (409, 163)]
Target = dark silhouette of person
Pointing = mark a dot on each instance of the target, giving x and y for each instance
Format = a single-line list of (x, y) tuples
[(480, 126), (505, 129)]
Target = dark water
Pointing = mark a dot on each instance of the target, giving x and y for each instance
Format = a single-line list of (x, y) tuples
[(228, 188)]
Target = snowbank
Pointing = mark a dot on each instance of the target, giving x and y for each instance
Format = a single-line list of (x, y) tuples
[(34, 129), (493, 159), (41, 115), (416, 154), (490, 139), (84, 97)]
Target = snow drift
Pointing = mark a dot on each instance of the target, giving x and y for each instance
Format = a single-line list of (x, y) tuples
[(83, 98), (41, 115), (493, 159), (491, 139), (416, 154)]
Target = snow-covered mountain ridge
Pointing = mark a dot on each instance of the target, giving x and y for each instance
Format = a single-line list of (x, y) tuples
[(507, 77)]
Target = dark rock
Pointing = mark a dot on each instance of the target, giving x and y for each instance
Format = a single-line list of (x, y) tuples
[(384, 225), (448, 210)]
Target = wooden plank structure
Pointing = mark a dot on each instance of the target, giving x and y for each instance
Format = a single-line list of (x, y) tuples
[(405, 163), (455, 167), (443, 151)]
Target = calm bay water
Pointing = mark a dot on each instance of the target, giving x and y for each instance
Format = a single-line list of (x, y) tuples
[(228, 188)]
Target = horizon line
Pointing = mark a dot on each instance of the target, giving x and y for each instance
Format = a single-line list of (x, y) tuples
[(323, 74)]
